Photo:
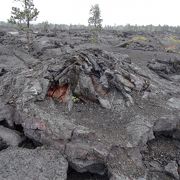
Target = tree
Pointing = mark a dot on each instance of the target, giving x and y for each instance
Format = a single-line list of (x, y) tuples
[(23, 16), (95, 21), (95, 18)]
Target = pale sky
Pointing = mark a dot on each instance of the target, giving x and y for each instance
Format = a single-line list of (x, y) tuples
[(114, 12)]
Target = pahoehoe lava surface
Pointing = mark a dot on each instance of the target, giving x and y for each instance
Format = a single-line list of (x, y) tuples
[(71, 109)]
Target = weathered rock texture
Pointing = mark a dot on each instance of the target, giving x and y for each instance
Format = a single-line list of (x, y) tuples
[(104, 108)]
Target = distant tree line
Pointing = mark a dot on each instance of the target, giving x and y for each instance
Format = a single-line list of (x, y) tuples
[(128, 27), (147, 28)]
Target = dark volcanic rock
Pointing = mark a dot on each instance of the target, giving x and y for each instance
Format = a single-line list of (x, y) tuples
[(166, 68), (98, 105)]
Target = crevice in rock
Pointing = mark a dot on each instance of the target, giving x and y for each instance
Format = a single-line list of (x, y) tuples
[(18, 128), (27, 142), (74, 175), (161, 134), (3, 145), (4, 123)]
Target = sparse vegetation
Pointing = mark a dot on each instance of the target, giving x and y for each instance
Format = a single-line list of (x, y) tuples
[(95, 22), (171, 43), (23, 16), (174, 39), (75, 99)]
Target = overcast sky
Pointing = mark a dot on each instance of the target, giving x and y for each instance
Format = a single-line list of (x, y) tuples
[(114, 12)]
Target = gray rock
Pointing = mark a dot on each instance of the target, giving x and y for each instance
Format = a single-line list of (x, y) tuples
[(45, 86), (56, 52), (138, 81), (176, 78), (166, 123), (39, 164), (104, 81), (42, 45), (6, 113), (82, 158), (26, 58), (85, 83), (11, 137), (124, 81), (34, 88), (136, 156), (85, 153), (174, 103), (46, 127), (104, 103), (172, 168), (139, 131)]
